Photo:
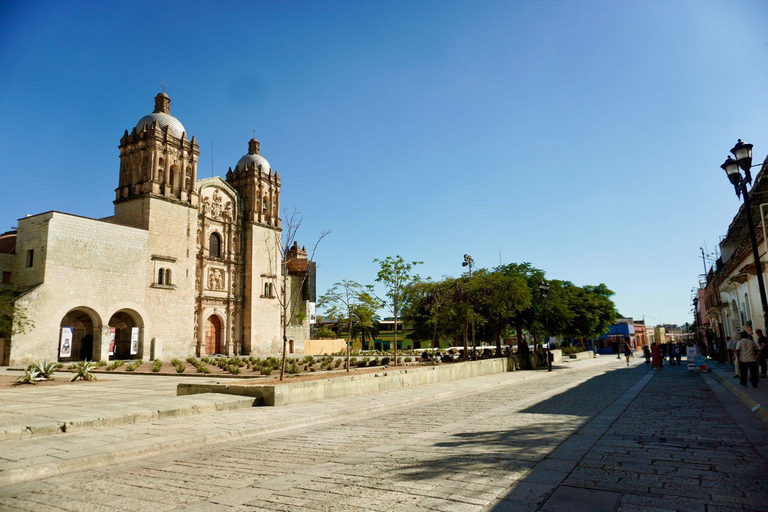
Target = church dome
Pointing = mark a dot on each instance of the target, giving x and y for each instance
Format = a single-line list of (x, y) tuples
[(174, 125), (162, 115), (253, 157)]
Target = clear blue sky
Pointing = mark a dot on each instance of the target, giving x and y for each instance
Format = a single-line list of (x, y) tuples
[(583, 137)]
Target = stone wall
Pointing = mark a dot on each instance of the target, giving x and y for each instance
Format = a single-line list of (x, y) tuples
[(90, 265)]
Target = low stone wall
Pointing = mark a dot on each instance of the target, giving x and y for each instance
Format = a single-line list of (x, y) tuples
[(310, 391), (578, 356)]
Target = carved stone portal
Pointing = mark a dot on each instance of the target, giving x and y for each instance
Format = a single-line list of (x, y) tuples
[(215, 279)]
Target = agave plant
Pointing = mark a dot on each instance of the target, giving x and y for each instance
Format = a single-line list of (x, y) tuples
[(31, 376), (46, 369), (83, 371)]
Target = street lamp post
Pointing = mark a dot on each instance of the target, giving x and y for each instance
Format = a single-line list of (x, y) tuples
[(743, 153), (544, 288), (469, 262)]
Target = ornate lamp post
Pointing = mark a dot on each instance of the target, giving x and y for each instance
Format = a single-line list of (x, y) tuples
[(469, 262), (733, 167)]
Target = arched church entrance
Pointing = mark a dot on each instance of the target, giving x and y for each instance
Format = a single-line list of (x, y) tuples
[(76, 336), (124, 335), (213, 335)]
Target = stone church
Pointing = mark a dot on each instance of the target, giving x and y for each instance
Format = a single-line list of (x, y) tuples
[(184, 266)]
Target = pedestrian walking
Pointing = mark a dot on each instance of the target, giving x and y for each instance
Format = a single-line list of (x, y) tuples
[(746, 355), (656, 356), (671, 350), (729, 349), (647, 354), (678, 353), (627, 349), (762, 357)]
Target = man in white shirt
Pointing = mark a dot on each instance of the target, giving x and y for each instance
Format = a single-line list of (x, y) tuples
[(746, 355)]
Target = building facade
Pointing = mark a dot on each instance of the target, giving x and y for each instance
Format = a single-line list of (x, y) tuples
[(729, 302), (183, 267)]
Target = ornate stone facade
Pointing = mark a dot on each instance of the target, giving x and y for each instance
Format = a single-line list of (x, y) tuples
[(184, 267)]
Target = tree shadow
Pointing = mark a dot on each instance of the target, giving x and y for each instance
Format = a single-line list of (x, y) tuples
[(487, 462)]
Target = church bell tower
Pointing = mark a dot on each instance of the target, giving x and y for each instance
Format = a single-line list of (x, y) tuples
[(157, 159)]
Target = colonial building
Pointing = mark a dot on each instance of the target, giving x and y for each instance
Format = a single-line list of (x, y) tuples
[(184, 267), (730, 302)]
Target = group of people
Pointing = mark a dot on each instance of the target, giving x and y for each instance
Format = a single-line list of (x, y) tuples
[(747, 355), (656, 355)]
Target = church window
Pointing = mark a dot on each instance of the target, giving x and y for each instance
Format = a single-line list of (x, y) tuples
[(214, 246), (30, 258), (161, 276), (168, 276)]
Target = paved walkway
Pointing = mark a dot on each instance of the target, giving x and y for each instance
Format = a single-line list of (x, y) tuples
[(113, 399), (597, 434)]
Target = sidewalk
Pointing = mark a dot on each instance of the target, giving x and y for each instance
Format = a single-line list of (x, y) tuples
[(754, 398), (42, 456)]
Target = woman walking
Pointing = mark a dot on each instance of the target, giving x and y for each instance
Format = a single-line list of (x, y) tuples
[(656, 357)]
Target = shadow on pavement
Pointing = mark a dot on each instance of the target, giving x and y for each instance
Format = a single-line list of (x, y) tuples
[(508, 450)]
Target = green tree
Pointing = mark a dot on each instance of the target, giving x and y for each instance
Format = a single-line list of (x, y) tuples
[(501, 296), (13, 317), (343, 300), (395, 274), (365, 322)]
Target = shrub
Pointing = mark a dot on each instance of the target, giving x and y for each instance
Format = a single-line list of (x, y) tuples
[(175, 362), (131, 367), (385, 361), (266, 370), (31, 376), (233, 369), (361, 363), (157, 365), (101, 363), (407, 360), (338, 363), (324, 333), (293, 368), (117, 363), (83, 371), (375, 362), (180, 367)]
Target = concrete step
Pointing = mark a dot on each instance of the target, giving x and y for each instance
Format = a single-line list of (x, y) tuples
[(127, 414)]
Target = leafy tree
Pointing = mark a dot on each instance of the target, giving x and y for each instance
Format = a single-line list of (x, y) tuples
[(433, 310), (395, 274), (343, 300), (13, 317), (365, 322), (501, 296)]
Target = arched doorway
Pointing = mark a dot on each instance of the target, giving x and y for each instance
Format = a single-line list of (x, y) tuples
[(127, 342), (77, 328), (213, 335)]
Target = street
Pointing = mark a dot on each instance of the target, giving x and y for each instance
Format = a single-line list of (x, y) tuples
[(599, 433)]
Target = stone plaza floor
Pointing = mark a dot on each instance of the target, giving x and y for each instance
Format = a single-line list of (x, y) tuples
[(594, 435)]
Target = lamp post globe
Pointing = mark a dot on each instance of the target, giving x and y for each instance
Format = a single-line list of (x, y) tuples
[(743, 153)]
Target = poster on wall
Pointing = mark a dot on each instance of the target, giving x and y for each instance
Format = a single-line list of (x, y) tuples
[(112, 331), (134, 341), (65, 346), (312, 313)]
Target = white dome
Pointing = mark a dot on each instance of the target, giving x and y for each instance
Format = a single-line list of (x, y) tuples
[(251, 159), (174, 125)]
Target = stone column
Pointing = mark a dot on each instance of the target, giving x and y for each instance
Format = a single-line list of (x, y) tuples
[(101, 343)]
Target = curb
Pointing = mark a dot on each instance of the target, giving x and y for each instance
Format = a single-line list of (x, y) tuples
[(205, 403), (750, 402)]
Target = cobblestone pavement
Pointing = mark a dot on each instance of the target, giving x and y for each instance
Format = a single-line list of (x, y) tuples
[(505, 449)]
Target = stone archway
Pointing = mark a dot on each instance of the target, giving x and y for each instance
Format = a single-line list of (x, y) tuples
[(76, 336), (127, 328), (212, 332)]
